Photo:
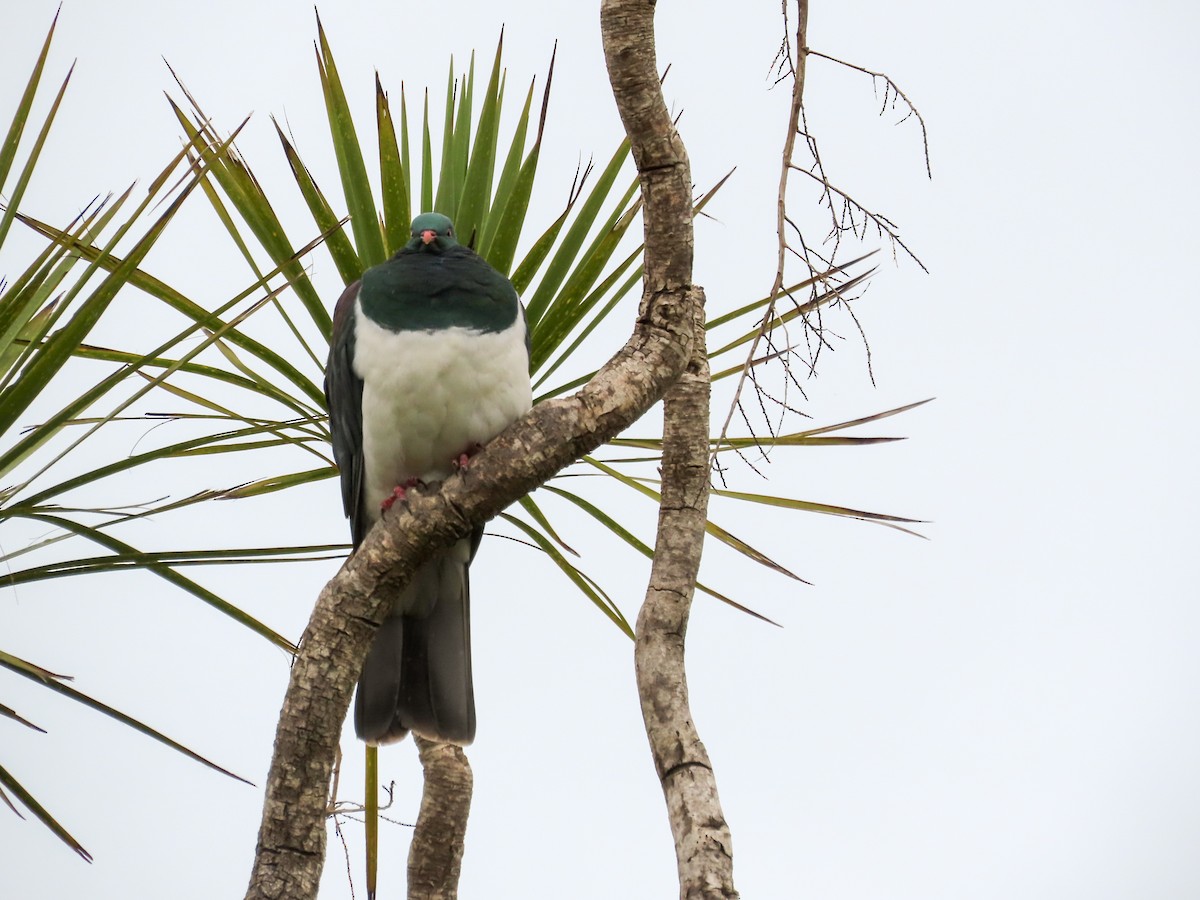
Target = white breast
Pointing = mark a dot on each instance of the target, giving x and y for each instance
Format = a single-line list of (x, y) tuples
[(430, 396)]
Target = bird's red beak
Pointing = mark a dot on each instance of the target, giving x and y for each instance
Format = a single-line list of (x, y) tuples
[(428, 236)]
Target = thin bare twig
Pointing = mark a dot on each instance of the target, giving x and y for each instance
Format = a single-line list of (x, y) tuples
[(847, 218), (795, 67), (891, 93)]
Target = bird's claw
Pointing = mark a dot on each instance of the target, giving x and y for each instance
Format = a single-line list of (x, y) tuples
[(399, 492), (464, 459)]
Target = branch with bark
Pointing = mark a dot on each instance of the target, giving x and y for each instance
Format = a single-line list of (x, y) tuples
[(703, 847), (436, 852)]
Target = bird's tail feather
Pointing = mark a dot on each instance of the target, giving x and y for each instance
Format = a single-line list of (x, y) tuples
[(417, 675)]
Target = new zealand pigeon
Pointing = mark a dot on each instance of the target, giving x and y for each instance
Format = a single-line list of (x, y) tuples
[(429, 361)]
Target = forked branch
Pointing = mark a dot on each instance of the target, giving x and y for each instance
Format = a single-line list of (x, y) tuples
[(847, 217)]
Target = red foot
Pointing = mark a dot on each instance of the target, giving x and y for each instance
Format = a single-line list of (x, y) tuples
[(464, 459), (398, 493)]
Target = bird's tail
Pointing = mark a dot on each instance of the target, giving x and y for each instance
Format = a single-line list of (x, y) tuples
[(417, 675)]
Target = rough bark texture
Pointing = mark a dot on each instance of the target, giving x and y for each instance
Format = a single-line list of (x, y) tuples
[(435, 855), (703, 846), (627, 27)]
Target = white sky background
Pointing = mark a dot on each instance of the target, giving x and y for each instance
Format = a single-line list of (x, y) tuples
[(1006, 710)]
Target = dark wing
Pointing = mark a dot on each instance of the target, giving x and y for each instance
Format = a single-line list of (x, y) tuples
[(343, 394), (528, 335)]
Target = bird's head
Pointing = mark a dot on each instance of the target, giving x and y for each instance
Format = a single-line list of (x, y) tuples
[(433, 232)]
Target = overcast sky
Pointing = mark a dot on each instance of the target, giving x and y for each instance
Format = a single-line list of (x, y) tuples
[(1008, 709)]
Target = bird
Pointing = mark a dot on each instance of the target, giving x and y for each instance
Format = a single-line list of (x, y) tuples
[(428, 361)]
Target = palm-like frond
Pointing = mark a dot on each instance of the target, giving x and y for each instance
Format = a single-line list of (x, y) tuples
[(46, 313)]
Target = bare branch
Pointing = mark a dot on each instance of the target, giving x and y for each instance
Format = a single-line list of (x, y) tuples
[(848, 218), (844, 210), (786, 65), (891, 93)]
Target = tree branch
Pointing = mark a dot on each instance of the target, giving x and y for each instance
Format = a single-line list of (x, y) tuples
[(891, 93), (436, 852), (797, 68), (846, 215), (627, 28), (702, 843)]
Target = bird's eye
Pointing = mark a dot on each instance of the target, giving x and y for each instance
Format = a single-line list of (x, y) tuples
[(449, 232)]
